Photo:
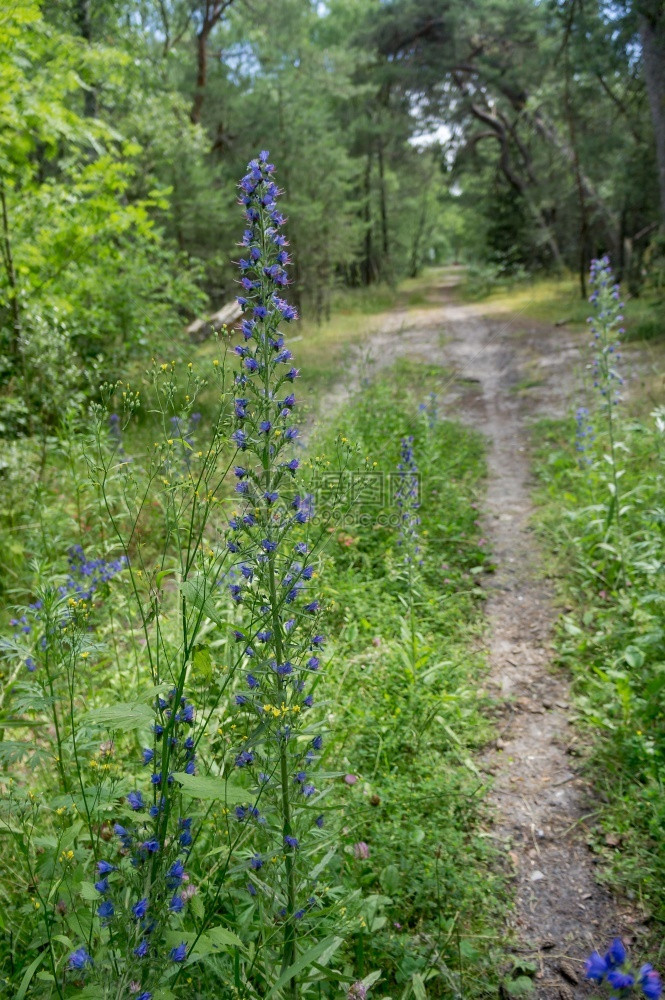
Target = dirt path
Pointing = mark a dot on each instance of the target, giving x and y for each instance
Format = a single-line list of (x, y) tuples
[(540, 801)]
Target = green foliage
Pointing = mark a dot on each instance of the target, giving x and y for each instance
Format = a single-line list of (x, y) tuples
[(613, 640), (407, 706), (402, 709), (86, 272)]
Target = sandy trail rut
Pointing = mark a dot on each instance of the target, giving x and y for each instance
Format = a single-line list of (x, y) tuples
[(540, 801)]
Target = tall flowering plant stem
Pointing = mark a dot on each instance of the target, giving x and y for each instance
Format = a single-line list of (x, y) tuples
[(407, 498), (606, 328), (271, 538), (190, 843)]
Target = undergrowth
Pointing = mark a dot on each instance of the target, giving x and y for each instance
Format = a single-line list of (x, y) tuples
[(403, 895), (602, 513), (406, 705)]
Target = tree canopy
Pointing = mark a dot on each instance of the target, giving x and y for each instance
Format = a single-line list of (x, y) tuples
[(534, 130)]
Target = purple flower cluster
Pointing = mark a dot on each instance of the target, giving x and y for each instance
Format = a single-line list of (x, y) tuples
[(605, 326), (87, 575), (621, 977), (584, 434), (24, 627), (156, 881), (430, 410), (271, 577), (408, 502)]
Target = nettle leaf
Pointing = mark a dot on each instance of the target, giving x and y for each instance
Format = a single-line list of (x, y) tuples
[(197, 907), (89, 892), (222, 937), (519, 987), (208, 786), (207, 943), (126, 715)]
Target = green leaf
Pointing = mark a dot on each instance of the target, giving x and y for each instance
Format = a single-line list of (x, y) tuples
[(390, 879), (69, 835), (202, 662), (197, 907), (316, 871), (206, 944), (89, 892), (63, 939), (633, 656), (207, 786), (304, 961), (199, 599), (13, 751), (125, 715), (6, 827), (29, 973), (369, 980), (418, 986), (519, 987), (222, 937)]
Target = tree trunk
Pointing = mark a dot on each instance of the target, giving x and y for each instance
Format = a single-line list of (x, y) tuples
[(384, 208), (10, 271), (652, 34), (498, 131), (201, 73), (584, 252), (367, 268), (85, 28), (548, 131)]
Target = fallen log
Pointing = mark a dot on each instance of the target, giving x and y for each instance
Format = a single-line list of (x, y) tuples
[(200, 329)]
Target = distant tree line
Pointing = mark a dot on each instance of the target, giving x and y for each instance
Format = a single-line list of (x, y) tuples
[(530, 135)]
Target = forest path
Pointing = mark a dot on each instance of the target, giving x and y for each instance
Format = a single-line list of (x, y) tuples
[(505, 371)]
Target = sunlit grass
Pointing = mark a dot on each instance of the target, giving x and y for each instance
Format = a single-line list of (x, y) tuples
[(558, 300)]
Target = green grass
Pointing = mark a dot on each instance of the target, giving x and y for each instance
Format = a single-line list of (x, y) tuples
[(402, 703), (558, 300), (407, 712), (612, 641)]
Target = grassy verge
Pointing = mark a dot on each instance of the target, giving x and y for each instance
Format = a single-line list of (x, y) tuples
[(611, 636), (405, 702), (49, 481), (558, 300)]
